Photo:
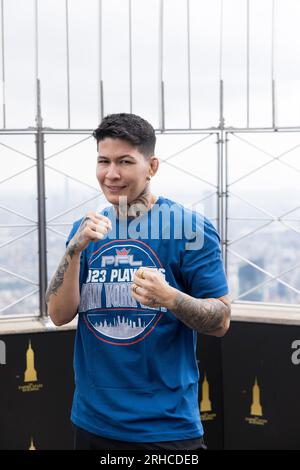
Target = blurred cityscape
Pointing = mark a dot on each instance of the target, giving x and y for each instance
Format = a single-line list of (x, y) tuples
[(254, 260)]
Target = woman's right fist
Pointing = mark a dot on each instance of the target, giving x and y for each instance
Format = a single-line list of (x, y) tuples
[(93, 227)]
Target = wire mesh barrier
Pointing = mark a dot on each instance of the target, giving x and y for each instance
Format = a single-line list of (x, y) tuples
[(244, 169), (262, 246)]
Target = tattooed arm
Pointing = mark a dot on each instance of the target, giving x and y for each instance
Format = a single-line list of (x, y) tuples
[(207, 316), (63, 296)]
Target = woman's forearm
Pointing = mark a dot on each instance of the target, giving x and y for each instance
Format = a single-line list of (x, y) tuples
[(63, 295)]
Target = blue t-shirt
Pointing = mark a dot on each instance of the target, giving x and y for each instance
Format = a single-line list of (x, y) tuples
[(136, 372)]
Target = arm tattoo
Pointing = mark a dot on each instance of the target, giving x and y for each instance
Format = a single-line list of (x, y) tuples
[(203, 315), (72, 249), (58, 278)]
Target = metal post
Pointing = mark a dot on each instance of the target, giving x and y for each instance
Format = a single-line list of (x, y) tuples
[(163, 125), (272, 67), (161, 93), (222, 209), (189, 61), (222, 179), (248, 63), (273, 105), (3, 65), (225, 203), (130, 55), (221, 42), (218, 182), (68, 64), (100, 81), (41, 200), (36, 51), (221, 108)]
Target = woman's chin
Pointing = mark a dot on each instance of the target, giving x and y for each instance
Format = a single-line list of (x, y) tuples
[(116, 199), (112, 199)]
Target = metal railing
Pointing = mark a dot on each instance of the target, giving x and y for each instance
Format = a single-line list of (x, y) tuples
[(223, 190), (220, 133)]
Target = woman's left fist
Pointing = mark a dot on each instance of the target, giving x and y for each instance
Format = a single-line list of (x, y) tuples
[(151, 289)]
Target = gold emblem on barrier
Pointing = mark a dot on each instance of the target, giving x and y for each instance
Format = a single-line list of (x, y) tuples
[(32, 446), (205, 404), (30, 374), (256, 409)]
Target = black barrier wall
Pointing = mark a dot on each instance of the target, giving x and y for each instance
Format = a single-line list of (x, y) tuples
[(261, 385), (37, 388), (211, 390), (36, 391), (248, 391)]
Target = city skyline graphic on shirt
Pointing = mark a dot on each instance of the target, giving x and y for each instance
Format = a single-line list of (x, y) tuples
[(111, 312), (120, 326)]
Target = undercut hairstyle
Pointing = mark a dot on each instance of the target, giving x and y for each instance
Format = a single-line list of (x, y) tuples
[(130, 127)]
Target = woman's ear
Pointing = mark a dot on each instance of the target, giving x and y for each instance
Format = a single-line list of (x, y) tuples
[(154, 165)]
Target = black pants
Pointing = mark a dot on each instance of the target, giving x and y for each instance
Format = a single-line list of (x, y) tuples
[(85, 440)]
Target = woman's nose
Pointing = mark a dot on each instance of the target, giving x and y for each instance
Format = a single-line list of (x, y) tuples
[(112, 172)]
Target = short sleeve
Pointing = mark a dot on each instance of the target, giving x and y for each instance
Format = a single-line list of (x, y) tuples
[(202, 269), (74, 229)]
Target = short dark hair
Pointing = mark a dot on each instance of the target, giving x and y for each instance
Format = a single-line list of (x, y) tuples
[(130, 127)]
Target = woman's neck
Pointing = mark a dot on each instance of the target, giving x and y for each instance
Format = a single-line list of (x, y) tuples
[(139, 206)]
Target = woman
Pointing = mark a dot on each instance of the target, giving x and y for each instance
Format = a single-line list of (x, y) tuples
[(142, 291)]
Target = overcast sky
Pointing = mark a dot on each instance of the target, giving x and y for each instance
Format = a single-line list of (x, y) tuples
[(209, 62)]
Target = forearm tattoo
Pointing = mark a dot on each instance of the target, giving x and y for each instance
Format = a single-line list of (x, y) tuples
[(203, 315), (58, 277), (72, 249)]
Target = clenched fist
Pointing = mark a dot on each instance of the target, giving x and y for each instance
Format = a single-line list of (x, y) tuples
[(93, 227), (150, 288)]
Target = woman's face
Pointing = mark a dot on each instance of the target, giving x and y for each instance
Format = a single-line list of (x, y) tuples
[(122, 170)]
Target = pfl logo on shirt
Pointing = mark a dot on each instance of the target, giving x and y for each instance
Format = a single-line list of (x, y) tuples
[(122, 257)]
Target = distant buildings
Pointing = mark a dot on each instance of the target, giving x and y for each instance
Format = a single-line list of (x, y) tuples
[(275, 250), (249, 277)]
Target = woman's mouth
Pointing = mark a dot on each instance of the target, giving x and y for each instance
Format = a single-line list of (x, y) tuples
[(115, 189)]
